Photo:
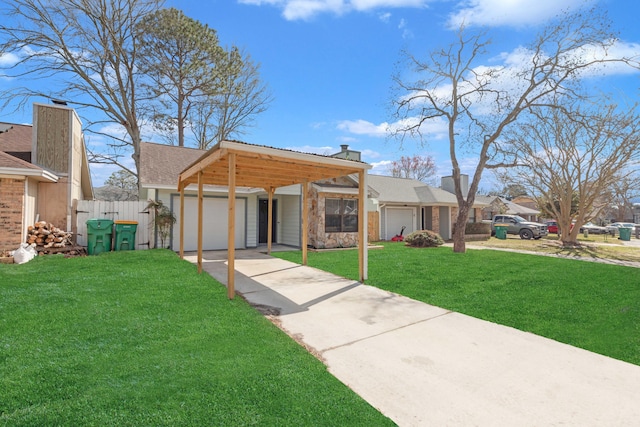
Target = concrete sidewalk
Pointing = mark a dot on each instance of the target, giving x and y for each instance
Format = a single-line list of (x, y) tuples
[(421, 365)]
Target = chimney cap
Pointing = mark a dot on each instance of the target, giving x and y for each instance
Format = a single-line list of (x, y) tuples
[(344, 147), (59, 101)]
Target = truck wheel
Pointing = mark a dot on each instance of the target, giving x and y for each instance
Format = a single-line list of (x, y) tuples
[(526, 234)]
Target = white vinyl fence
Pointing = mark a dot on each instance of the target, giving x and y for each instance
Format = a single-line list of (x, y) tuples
[(125, 211)]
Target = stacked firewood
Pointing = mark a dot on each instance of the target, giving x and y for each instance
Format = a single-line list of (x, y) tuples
[(45, 235)]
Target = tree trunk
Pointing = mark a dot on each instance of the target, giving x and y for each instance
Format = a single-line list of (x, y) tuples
[(459, 245)]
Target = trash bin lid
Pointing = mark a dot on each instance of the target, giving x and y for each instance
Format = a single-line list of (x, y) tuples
[(119, 221)]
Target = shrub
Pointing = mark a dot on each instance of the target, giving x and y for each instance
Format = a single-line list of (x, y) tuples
[(477, 228), (424, 239)]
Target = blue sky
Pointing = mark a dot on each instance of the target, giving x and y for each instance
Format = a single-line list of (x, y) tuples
[(328, 63)]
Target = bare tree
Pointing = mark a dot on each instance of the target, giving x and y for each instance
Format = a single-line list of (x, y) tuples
[(225, 115), (416, 167), (572, 162), (89, 47), (479, 103), (626, 189)]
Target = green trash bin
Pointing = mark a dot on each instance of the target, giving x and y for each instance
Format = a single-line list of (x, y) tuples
[(99, 232), (125, 239), (501, 231), (625, 233)]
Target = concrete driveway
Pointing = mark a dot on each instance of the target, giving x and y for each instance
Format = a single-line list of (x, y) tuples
[(421, 365)]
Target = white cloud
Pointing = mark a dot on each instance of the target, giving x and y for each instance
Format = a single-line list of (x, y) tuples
[(306, 9), (406, 32), (514, 13), (435, 129), (380, 168), (370, 154), (385, 17), (8, 59), (363, 127)]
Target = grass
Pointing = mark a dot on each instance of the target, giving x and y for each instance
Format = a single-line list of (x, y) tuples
[(139, 338), (588, 305), (595, 246)]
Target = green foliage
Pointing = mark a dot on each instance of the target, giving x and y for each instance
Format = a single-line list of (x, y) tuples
[(424, 239), (180, 55), (139, 338), (477, 228), (589, 305)]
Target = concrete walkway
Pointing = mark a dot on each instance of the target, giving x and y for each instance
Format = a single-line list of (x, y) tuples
[(421, 365)]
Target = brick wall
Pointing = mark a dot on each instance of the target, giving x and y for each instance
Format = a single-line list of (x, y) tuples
[(11, 205)]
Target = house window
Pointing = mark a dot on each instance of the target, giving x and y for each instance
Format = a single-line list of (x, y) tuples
[(340, 215), (472, 215)]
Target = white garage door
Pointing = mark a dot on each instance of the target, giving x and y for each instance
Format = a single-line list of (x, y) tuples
[(215, 224), (398, 217)]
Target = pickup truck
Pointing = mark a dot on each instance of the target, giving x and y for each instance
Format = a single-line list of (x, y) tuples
[(520, 226)]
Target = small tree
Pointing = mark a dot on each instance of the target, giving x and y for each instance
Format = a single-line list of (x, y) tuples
[(121, 185), (416, 167), (572, 161), (163, 219)]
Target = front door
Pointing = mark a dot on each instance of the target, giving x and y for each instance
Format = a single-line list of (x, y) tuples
[(263, 221)]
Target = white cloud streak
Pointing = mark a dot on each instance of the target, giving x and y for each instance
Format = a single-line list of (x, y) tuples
[(511, 13), (293, 10)]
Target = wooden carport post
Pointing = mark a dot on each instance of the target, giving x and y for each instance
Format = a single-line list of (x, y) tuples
[(231, 243), (305, 221), (271, 190), (363, 245), (200, 218), (181, 219)]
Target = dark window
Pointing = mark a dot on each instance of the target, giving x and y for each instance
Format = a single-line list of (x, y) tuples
[(341, 215)]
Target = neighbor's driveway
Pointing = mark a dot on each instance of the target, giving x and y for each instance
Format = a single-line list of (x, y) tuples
[(421, 365)]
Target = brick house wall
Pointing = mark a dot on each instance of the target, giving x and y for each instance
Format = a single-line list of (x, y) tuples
[(11, 212)]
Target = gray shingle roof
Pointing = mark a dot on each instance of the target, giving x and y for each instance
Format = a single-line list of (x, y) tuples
[(409, 191), (161, 164)]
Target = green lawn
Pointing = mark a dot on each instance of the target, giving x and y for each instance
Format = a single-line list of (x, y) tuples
[(138, 338), (589, 305)]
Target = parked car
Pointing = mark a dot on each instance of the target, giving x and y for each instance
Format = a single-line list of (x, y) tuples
[(613, 229), (552, 226), (520, 226), (592, 228)]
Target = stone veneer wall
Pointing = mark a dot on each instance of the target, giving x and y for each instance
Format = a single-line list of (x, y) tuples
[(11, 213), (317, 236)]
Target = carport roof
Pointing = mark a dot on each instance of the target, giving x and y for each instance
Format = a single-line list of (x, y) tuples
[(265, 167)]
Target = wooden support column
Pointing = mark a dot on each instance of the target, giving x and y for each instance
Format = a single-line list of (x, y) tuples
[(363, 243), (271, 190), (231, 242), (200, 218), (181, 225), (305, 221)]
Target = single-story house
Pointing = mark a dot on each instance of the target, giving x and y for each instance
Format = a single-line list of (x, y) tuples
[(43, 171), (332, 221), (495, 205), (415, 205)]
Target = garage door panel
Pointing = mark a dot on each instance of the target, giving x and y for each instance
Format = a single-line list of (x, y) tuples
[(397, 218), (215, 224)]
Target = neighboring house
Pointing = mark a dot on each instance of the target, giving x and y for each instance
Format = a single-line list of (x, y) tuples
[(526, 201), (415, 205), (497, 205), (43, 172)]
